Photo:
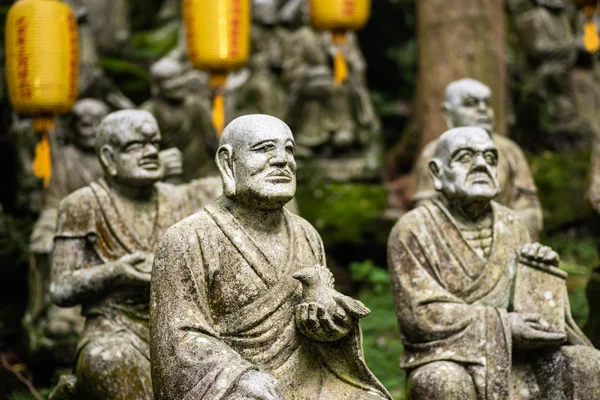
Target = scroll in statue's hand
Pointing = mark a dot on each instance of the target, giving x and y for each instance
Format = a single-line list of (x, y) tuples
[(532, 331), (256, 385), (131, 269), (538, 254)]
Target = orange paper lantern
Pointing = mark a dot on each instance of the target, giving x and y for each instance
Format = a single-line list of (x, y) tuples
[(218, 40), (42, 67)]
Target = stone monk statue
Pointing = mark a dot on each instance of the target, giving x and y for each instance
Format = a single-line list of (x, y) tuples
[(103, 253), (468, 103), (228, 320), (459, 268)]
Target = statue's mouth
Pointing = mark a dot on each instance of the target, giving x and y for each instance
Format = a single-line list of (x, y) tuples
[(279, 176), (149, 163)]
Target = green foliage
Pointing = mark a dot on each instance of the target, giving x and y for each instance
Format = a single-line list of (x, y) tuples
[(381, 338), (562, 183)]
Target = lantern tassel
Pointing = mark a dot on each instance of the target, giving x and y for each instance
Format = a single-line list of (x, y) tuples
[(340, 66), (42, 162), (217, 81), (591, 41)]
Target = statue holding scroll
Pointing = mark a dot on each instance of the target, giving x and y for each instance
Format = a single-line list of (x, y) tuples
[(483, 312)]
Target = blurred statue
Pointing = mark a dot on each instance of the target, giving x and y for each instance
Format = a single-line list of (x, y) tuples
[(468, 103), (264, 91), (229, 317), (483, 312), (561, 82), (104, 250), (54, 331), (180, 104), (337, 131)]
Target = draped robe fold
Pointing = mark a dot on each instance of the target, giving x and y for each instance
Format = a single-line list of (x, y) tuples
[(219, 308), (451, 304)]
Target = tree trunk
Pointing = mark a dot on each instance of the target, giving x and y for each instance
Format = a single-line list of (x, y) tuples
[(458, 39)]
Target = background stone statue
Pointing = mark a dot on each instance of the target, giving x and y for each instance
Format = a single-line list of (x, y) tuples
[(336, 127), (461, 266), (74, 166), (228, 320), (561, 81), (182, 110), (468, 103), (103, 254)]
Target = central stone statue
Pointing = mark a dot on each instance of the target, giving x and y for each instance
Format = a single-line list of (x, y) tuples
[(229, 318), (104, 249), (483, 312)]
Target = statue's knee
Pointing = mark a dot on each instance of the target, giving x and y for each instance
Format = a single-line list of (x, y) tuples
[(441, 380), (582, 361)]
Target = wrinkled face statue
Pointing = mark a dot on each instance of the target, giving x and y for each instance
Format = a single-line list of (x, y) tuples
[(170, 80), (464, 165), (265, 11), (87, 115), (128, 147), (469, 103), (256, 161)]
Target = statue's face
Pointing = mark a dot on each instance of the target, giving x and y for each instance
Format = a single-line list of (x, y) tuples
[(471, 106), (135, 159), (265, 11), (264, 167), (87, 117), (174, 88), (468, 167)]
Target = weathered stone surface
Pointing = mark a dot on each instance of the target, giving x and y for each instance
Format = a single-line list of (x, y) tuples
[(227, 318), (461, 265), (106, 236), (468, 103)]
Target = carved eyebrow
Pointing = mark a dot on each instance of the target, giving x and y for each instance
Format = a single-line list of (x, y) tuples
[(455, 152), (256, 145)]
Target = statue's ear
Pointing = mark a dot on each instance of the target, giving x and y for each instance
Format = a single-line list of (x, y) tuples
[(224, 162), (434, 171), (107, 159), (447, 114)]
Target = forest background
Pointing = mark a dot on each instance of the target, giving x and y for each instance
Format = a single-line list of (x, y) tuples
[(348, 216)]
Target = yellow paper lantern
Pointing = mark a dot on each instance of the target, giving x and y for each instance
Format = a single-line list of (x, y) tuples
[(339, 16), (591, 41), (42, 67), (218, 40)]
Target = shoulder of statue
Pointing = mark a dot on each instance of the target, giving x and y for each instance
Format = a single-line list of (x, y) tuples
[(188, 228), (413, 218), (80, 199), (505, 214)]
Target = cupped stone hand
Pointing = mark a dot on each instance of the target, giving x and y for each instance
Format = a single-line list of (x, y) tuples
[(126, 271), (532, 331), (538, 253), (314, 321), (255, 385), (171, 161)]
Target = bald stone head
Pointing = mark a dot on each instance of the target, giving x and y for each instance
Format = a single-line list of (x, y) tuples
[(464, 165), (169, 79), (127, 145), (468, 103), (256, 162), (86, 116), (553, 5)]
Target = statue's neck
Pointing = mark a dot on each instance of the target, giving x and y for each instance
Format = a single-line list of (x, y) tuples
[(469, 212), (129, 192), (265, 220)]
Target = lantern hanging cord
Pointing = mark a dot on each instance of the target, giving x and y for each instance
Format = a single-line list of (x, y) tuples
[(42, 162), (340, 66), (217, 82), (591, 41)]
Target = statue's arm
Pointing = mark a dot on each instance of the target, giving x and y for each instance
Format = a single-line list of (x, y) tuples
[(73, 281)]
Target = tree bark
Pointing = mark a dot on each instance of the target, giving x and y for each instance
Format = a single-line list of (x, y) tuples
[(458, 39)]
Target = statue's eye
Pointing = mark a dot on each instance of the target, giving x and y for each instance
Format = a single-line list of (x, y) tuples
[(490, 158), (134, 146), (470, 102), (465, 158), (290, 149)]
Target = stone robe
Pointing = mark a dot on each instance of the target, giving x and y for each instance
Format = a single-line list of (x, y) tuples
[(453, 305), (517, 188), (118, 320), (220, 307)]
